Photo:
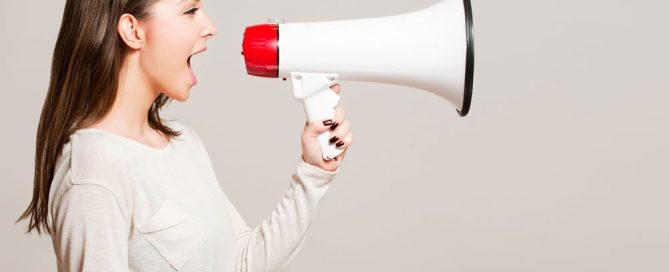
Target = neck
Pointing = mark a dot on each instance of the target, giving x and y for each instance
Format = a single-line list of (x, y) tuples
[(134, 97)]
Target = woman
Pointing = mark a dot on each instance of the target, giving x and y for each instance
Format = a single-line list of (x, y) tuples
[(119, 189)]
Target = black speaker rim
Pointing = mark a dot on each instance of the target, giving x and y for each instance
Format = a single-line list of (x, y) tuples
[(469, 67)]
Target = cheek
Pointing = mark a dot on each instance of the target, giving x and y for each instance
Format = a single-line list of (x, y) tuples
[(166, 51), (170, 39)]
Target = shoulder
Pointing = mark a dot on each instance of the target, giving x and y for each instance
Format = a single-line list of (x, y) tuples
[(90, 167), (109, 162), (94, 156), (97, 156)]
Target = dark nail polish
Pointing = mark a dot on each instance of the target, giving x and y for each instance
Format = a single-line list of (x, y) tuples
[(327, 122), (334, 139), (340, 143), (334, 126)]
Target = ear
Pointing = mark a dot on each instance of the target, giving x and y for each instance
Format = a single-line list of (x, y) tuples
[(130, 31)]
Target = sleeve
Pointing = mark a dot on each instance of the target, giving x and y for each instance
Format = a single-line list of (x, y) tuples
[(271, 245), (90, 232)]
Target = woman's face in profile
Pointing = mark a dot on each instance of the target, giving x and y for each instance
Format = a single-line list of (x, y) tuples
[(175, 31)]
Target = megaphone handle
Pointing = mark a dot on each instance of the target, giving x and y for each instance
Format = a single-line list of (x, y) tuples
[(320, 106), (319, 101)]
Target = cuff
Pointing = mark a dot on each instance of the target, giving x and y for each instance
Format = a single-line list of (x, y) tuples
[(304, 169)]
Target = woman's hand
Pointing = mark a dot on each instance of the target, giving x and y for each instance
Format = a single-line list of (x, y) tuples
[(311, 149)]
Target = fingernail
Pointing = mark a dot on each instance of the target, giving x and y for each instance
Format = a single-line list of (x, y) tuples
[(340, 143), (334, 126), (327, 122), (334, 139)]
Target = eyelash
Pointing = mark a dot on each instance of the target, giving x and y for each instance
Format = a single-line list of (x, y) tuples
[(191, 11)]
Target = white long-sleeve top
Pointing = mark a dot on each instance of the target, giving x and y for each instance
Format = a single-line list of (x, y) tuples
[(119, 205)]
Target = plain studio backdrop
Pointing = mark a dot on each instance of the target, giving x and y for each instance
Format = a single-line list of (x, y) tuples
[(561, 165)]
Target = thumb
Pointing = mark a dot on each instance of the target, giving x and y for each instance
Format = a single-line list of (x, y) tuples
[(317, 127)]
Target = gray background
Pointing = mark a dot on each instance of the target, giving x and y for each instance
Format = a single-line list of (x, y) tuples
[(561, 164)]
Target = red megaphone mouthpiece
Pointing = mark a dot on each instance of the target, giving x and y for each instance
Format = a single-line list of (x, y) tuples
[(261, 50)]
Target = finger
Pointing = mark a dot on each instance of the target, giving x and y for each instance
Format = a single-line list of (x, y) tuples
[(340, 132), (341, 156), (345, 142), (317, 127), (336, 88), (339, 115)]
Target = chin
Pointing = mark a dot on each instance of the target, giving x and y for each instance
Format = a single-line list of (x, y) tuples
[(180, 96)]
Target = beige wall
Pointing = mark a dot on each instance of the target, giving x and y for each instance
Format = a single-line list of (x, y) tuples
[(560, 166)]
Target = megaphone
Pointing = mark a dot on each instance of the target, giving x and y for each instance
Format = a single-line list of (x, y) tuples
[(430, 49)]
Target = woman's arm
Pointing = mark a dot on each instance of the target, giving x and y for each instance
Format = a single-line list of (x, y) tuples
[(271, 245), (275, 242), (90, 232)]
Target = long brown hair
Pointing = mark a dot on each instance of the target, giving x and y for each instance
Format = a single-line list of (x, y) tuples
[(87, 60)]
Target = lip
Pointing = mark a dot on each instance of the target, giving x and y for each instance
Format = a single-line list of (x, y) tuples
[(196, 52), (199, 51)]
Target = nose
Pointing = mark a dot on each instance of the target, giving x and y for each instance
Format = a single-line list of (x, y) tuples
[(209, 30)]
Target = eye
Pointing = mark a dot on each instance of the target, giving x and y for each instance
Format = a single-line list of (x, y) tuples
[(191, 11)]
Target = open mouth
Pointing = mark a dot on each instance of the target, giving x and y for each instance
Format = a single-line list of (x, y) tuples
[(193, 79)]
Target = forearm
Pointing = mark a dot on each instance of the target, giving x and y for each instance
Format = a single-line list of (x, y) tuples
[(271, 245)]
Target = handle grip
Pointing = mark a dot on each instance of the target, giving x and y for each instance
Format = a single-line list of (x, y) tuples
[(319, 101)]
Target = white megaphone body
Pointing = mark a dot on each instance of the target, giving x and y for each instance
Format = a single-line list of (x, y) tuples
[(430, 49)]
